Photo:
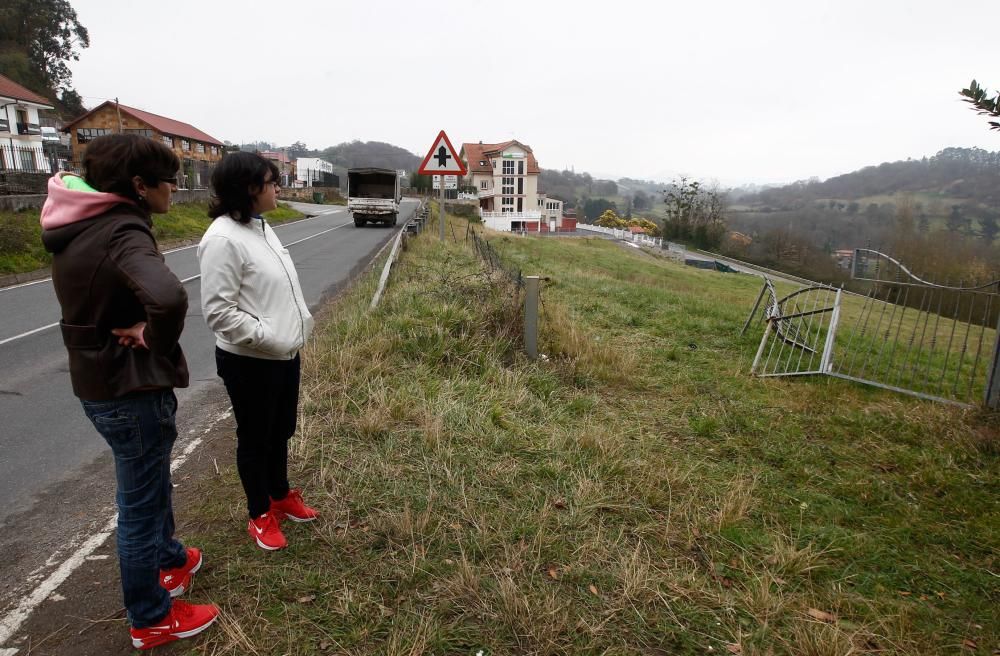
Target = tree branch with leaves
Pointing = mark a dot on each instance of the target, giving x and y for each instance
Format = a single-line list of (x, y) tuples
[(979, 98)]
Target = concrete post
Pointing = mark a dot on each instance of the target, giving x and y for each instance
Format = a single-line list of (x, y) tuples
[(531, 316)]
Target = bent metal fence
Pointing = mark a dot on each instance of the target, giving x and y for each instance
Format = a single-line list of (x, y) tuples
[(905, 334)]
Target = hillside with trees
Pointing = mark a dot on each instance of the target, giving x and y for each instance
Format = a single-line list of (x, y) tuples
[(941, 214), (348, 154), (37, 40)]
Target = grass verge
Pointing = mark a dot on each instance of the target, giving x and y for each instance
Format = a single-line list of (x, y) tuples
[(21, 247), (633, 493)]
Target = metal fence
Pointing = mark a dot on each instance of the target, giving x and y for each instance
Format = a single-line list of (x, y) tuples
[(904, 333), (25, 169), (195, 174), (493, 261)]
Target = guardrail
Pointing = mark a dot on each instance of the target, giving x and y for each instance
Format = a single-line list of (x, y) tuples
[(636, 238), (419, 217)]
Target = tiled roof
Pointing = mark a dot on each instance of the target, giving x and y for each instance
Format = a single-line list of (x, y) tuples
[(275, 155), (482, 152), (157, 122), (11, 89)]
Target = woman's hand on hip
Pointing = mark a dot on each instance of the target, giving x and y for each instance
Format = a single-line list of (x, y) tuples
[(131, 336)]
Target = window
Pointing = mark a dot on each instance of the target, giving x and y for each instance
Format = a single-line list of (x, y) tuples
[(168, 141), (508, 186), (506, 204), (185, 144), (199, 147), (27, 159), (520, 185), (520, 167), (508, 167), (520, 204), (83, 135), (140, 132), (483, 184), (215, 150)]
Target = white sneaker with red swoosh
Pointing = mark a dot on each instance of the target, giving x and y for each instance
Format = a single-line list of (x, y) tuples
[(266, 532), (183, 621)]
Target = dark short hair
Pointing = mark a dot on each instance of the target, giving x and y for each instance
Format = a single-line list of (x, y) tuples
[(111, 161), (232, 181)]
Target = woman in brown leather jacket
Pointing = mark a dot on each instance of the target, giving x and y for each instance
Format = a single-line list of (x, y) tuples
[(122, 315)]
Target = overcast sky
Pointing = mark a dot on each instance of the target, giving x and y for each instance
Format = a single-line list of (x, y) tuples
[(735, 91)]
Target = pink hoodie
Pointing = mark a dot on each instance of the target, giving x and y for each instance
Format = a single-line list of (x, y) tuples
[(65, 206)]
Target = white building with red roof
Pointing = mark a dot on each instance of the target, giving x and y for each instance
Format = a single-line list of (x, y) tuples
[(505, 176), (20, 133)]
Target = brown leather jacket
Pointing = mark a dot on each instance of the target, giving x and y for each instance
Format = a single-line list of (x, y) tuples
[(108, 273)]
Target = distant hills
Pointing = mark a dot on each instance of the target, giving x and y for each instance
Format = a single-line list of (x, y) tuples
[(369, 153), (939, 214), (965, 176)]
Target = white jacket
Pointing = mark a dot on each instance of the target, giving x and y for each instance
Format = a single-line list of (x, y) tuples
[(250, 293)]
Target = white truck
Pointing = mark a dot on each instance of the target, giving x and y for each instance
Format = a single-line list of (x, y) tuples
[(373, 195)]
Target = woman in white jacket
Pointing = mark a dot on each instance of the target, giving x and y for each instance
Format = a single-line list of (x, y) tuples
[(252, 301)]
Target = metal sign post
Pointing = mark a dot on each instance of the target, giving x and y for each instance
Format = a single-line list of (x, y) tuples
[(442, 159), (441, 216)]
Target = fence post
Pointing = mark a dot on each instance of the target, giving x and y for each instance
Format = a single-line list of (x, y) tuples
[(993, 382), (531, 316), (826, 364)]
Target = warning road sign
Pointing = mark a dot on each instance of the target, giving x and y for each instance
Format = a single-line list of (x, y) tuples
[(442, 158)]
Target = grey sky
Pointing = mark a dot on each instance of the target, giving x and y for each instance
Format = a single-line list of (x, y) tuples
[(770, 91)]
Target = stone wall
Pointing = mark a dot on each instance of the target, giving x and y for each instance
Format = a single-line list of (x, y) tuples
[(305, 194), (16, 203)]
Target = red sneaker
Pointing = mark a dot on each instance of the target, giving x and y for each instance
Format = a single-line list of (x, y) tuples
[(293, 508), (178, 579), (266, 532), (183, 621)]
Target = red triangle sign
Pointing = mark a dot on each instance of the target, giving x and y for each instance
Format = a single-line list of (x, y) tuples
[(442, 159)]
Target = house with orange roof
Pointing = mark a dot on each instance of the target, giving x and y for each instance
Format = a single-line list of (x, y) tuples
[(20, 132), (505, 176), (197, 150)]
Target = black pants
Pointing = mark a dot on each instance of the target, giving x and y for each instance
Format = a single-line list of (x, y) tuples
[(265, 397)]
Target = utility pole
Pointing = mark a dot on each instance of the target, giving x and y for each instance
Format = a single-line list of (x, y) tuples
[(119, 112)]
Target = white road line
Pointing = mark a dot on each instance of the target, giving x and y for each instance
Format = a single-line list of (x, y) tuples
[(14, 619), (30, 332), (184, 281), (18, 286), (172, 250), (317, 235)]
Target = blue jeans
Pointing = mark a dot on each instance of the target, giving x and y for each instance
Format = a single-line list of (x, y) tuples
[(141, 431)]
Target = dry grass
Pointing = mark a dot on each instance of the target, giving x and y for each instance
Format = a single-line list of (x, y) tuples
[(630, 495)]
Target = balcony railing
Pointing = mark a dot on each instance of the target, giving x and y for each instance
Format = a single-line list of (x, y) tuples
[(529, 215), (28, 128)]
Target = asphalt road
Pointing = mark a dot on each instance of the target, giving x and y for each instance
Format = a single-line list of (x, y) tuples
[(45, 439)]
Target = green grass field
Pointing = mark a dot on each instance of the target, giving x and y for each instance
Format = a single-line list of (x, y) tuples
[(635, 492), (21, 247)]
